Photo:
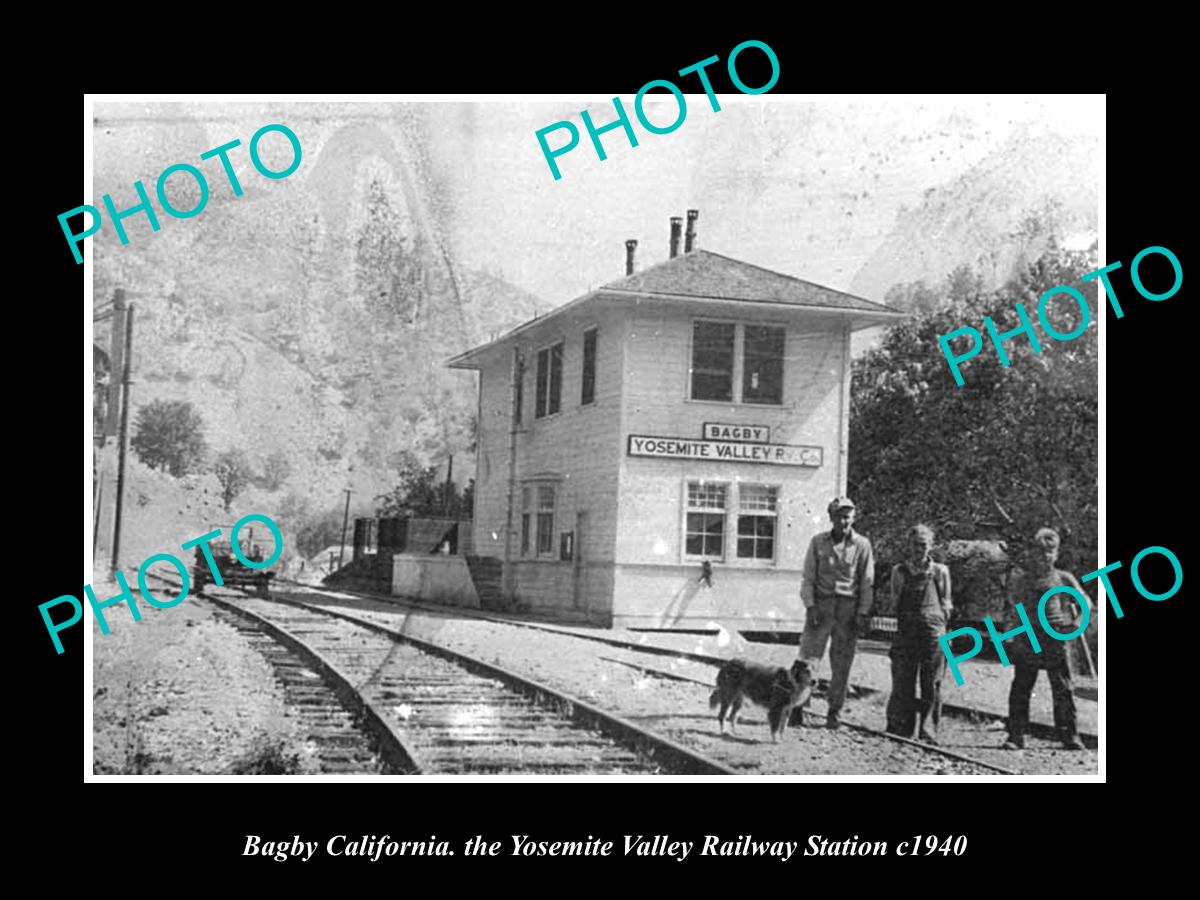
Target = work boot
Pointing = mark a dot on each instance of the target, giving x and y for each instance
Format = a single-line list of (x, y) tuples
[(833, 719), (1014, 742), (1072, 742), (927, 737)]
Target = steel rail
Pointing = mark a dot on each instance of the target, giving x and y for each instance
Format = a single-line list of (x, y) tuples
[(929, 748), (1036, 729)]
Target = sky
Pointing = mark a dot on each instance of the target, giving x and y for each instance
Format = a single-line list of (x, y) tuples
[(807, 187)]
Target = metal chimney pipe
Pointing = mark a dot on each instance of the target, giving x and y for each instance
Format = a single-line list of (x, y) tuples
[(630, 247), (676, 228), (689, 239)]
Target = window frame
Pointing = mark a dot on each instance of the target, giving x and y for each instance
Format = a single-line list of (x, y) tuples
[(740, 512), (734, 374), (782, 362), (539, 511), (526, 494), (594, 332), (732, 515), (689, 510), (739, 361), (543, 382), (519, 389)]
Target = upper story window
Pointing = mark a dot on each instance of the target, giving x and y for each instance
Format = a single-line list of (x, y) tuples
[(712, 360), (722, 350), (588, 392), (549, 381), (762, 364), (518, 388)]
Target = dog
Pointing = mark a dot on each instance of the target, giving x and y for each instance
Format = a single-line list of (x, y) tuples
[(776, 688)]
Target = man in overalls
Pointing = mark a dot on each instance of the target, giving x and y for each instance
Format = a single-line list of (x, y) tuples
[(1063, 615), (921, 598), (837, 587)]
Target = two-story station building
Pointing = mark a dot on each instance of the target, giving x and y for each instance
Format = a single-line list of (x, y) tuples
[(658, 452)]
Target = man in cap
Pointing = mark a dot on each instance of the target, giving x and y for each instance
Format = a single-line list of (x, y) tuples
[(837, 587), (1063, 615)]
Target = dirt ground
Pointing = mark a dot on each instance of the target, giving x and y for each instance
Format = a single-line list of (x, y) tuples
[(182, 692), (609, 677)]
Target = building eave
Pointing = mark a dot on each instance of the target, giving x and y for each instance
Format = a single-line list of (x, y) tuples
[(470, 358)]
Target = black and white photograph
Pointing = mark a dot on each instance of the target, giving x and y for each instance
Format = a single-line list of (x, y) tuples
[(506, 438)]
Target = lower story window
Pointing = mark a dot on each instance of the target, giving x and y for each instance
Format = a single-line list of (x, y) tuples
[(526, 514), (705, 534), (757, 515), (545, 520), (545, 532), (705, 519)]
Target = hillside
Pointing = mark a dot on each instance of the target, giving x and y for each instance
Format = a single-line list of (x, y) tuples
[(994, 218), (263, 313)]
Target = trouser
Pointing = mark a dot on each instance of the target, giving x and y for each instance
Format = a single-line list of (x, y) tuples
[(837, 620), (919, 659), (1059, 673)]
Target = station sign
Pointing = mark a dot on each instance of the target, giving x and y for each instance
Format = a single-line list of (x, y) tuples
[(725, 451), (720, 431)]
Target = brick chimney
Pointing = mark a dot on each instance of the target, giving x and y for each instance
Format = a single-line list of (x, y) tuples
[(630, 247), (676, 228)]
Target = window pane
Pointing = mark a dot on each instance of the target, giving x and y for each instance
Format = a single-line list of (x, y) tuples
[(588, 394), (712, 361), (762, 374), (757, 497), (526, 494), (519, 391), (705, 534), (756, 537), (556, 364), (543, 373), (706, 495), (546, 497), (545, 535), (525, 534)]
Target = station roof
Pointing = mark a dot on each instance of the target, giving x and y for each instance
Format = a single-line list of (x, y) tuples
[(706, 276)]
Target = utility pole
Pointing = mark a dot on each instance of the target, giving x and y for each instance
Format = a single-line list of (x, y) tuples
[(446, 493), (123, 437), (345, 523)]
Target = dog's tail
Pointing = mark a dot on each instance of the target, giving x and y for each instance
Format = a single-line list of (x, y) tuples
[(714, 699)]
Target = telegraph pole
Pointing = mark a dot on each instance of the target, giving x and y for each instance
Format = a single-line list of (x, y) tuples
[(345, 522), (123, 437)]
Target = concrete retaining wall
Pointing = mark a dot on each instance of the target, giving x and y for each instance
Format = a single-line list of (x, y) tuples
[(440, 579)]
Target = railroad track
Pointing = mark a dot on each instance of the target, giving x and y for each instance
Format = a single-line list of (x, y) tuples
[(951, 710), (798, 717), (683, 726), (432, 710), (340, 729)]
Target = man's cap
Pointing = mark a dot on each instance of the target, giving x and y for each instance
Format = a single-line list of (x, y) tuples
[(840, 503)]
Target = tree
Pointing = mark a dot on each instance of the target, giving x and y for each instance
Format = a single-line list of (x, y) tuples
[(1015, 446), (169, 435), (233, 471), (388, 270), (422, 492)]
